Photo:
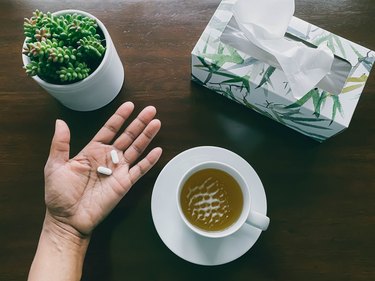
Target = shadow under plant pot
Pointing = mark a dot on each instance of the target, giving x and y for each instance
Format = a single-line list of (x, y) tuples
[(96, 90)]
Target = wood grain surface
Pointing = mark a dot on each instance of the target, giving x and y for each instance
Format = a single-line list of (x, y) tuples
[(320, 196)]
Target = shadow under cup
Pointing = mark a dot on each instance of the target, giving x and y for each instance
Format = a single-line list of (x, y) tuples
[(214, 200)]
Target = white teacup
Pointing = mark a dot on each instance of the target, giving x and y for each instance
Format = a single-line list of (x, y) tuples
[(247, 215)]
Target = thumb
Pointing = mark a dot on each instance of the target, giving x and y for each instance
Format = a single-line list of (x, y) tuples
[(60, 143)]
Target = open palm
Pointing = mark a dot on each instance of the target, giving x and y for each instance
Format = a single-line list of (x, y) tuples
[(79, 197)]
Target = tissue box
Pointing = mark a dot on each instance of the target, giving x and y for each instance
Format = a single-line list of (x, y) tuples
[(220, 64)]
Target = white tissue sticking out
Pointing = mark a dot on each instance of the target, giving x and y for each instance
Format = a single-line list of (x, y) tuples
[(264, 24)]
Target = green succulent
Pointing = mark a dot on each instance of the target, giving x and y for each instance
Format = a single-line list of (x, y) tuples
[(62, 49)]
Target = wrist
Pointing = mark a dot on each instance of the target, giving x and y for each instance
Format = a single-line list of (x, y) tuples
[(63, 234), (60, 253)]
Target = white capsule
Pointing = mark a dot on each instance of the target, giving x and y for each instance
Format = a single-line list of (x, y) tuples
[(114, 157), (104, 170)]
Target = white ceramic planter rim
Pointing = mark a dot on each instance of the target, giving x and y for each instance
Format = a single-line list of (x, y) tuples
[(107, 78), (26, 59)]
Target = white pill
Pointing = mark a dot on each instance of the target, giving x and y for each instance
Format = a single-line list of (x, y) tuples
[(114, 156), (104, 170)]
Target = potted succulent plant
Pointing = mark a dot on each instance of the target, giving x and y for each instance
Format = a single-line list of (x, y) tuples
[(71, 55)]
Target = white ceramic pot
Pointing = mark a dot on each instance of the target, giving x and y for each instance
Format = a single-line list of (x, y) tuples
[(99, 88)]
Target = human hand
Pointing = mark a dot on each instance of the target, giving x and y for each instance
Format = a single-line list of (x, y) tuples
[(77, 197)]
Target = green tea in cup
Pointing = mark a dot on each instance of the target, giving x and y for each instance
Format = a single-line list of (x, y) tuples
[(214, 200), (211, 199)]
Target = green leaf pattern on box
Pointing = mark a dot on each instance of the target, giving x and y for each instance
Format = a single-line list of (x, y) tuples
[(261, 87)]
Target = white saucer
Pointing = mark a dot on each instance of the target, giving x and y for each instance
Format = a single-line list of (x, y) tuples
[(176, 235)]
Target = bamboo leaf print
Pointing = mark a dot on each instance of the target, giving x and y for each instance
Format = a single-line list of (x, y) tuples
[(316, 98), (249, 105), (339, 44), (321, 39), (360, 79), (277, 116), (356, 52), (312, 125), (266, 77), (228, 93), (247, 62), (244, 80), (331, 39), (351, 88), (208, 67), (320, 103), (336, 107), (304, 99), (295, 118), (367, 61), (330, 43), (208, 78), (219, 58), (308, 32), (220, 49), (196, 80), (205, 45), (225, 74), (303, 119)]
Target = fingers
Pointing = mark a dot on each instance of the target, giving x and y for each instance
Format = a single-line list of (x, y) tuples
[(114, 124), (143, 166), (60, 143), (136, 128), (134, 151)]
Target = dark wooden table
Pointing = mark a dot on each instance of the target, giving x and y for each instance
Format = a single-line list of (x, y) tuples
[(321, 197)]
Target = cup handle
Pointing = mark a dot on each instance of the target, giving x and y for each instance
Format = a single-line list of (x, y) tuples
[(258, 220)]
